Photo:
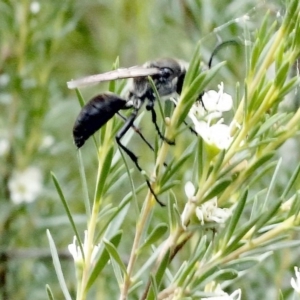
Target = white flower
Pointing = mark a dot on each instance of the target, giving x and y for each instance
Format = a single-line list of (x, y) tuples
[(74, 249), (4, 79), (26, 185), (236, 295), (295, 283), (215, 103), (35, 7), (217, 135), (4, 147), (47, 142), (210, 212)]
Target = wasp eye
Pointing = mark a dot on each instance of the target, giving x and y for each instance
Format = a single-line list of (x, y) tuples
[(166, 72)]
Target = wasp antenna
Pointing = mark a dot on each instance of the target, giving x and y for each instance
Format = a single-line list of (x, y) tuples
[(219, 47)]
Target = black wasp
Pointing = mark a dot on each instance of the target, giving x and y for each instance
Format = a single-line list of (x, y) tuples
[(168, 76)]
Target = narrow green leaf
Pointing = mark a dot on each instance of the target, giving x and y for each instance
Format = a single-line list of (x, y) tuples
[(168, 186), (289, 86), (290, 14), (118, 272), (270, 123), (259, 162), (200, 158), (279, 59), (69, 215), (215, 274), (153, 291), (267, 30), (242, 264), (282, 75), (291, 182), (57, 267), (171, 213), (102, 261), (295, 208), (267, 216), (173, 168), (157, 96), (193, 68), (113, 253), (103, 174), (260, 94), (146, 266), (236, 239), (162, 268), (235, 218), (112, 225), (272, 183), (222, 275), (80, 98), (180, 271), (49, 292), (154, 236), (217, 188), (199, 251), (86, 197), (112, 83), (262, 172), (256, 51), (135, 286), (274, 246), (198, 280), (219, 161)]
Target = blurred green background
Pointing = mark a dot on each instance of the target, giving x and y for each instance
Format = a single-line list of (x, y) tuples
[(44, 44)]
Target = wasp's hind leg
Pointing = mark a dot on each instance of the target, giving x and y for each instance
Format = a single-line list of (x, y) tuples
[(138, 131), (133, 157), (150, 107)]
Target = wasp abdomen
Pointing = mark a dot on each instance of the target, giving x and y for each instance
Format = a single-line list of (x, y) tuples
[(94, 115)]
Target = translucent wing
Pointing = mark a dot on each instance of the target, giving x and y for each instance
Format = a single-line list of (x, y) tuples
[(113, 75)]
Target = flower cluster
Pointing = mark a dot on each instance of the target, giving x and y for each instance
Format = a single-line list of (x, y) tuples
[(207, 212), (210, 212), (203, 113), (25, 185)]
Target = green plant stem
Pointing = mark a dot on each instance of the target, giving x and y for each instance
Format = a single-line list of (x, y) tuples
[(90, 238), (92, 222), (149, 203), (140, 226)]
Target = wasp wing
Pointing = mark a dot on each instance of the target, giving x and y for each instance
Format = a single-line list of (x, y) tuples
[(113, 75)]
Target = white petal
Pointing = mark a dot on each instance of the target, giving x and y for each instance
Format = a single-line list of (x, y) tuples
[(220, 136), (236, 295), (225, 103), (73, 248), (200, 215), (210, 100), (189, 189)]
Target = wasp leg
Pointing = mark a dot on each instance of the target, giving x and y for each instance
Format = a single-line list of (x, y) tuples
[(138, 131), (134, 158), (150, 106)]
